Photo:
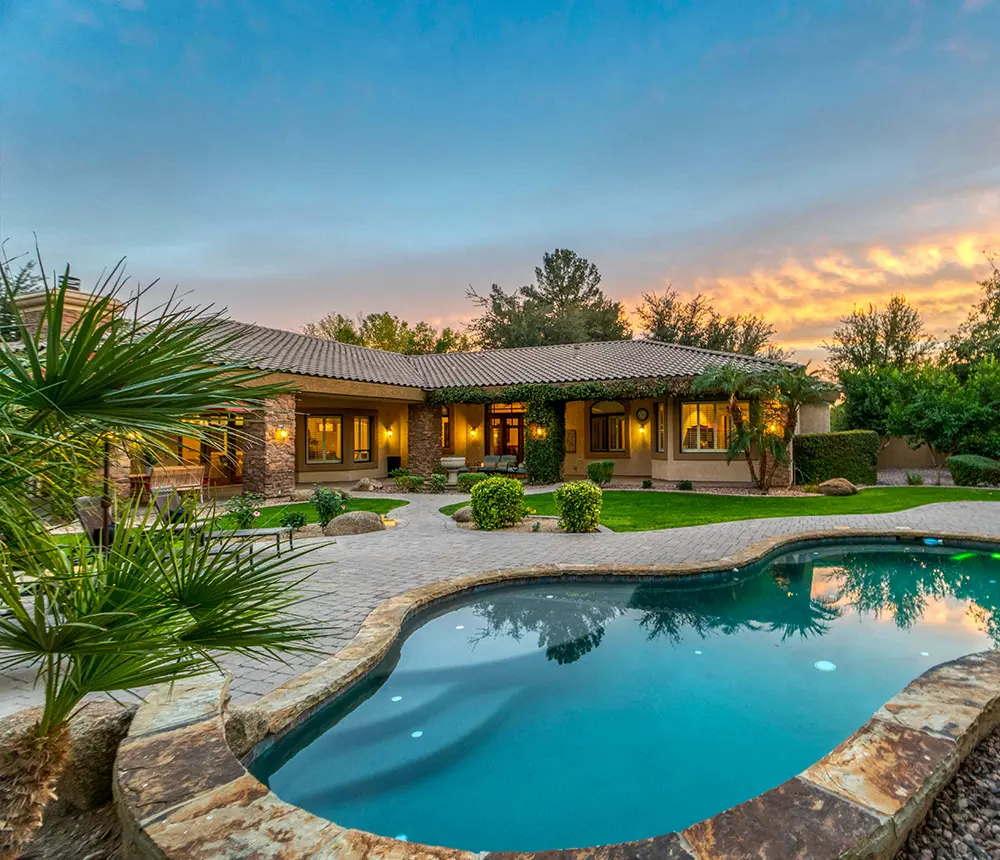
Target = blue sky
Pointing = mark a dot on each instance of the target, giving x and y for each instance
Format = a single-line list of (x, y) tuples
[(286, 159)]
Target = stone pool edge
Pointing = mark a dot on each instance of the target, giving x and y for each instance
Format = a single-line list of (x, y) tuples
[(181, 791)]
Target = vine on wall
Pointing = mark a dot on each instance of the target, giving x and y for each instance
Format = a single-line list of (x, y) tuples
[(543, 392), (544, 434)]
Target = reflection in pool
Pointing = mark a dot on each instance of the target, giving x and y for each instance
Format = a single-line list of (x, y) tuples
[(580, 713)]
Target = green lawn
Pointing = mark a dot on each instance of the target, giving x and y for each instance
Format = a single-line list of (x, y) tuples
[(628, 511), (271, 516)]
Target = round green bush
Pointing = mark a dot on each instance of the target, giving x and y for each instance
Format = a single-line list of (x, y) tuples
[(293, 519), (467, 480), (497, 502), (579, 506), (971, 470), (685, 485), (600, 471)]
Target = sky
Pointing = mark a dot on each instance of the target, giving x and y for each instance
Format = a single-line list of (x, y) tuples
[(288, 159)]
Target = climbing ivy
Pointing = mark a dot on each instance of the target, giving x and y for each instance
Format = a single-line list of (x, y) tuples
[(543, 392), (544, 451)]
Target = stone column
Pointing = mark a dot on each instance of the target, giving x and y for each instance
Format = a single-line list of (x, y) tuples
[(784, 472), (269, 449), (423, 439)]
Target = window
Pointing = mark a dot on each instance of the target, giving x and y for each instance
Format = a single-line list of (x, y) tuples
[(324, 439), (707, 426), (362, 439), (607, 427), (446, 428), (661, 427)]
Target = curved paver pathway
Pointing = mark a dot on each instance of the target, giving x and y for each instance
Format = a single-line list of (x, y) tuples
[(355, 573)]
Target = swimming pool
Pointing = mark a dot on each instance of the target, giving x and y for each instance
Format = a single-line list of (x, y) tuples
[(555, 715)]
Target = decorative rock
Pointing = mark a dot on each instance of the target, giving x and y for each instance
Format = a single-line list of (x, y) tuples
[(354, 523), (367, 485), (837, 487), (301, 495), (463, 515), (246, 726)]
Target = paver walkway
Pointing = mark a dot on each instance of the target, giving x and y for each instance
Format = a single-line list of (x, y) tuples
[(354, 574)]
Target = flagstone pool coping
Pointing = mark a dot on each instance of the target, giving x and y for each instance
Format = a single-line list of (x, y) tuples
[(182, 793)]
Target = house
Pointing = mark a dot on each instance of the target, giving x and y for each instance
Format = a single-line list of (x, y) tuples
[(354, 412)]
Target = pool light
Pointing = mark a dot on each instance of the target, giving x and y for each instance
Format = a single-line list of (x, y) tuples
[(825, 665), (962, 556), (416, 734), (397, 699)]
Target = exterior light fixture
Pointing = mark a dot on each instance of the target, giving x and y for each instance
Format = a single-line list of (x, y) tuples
[(281, 434), (472, 432), (388, 432)]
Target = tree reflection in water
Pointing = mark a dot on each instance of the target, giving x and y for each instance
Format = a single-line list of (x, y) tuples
[(876, 580)]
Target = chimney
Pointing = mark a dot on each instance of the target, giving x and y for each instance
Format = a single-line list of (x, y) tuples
[(32, 305)]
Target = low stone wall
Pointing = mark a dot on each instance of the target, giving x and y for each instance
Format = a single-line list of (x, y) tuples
[(182, 793)]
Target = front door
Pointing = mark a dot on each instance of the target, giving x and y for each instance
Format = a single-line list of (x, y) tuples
[(506, 432)]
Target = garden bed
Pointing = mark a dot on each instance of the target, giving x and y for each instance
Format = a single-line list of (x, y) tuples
[(547, 525)]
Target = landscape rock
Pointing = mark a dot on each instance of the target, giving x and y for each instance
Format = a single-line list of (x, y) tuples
[(301, 495), (837, 487), (246, 726), (367, 485), (354, 523), (463, 515)]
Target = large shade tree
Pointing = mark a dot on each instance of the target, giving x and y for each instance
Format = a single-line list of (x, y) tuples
[(978, 338), (150, 604), (388, 332), (565, 304), (873, 338)]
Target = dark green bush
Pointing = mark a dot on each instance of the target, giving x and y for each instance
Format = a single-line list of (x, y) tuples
[(437, 483), (600, 472), (408, 483), (467, 480), (328, 503), (579, 506), (851, 454), (647, 484), (293, 519), (497, 502), (685, 485), (971, 470), (544, 450), (244, 509), (914, 479)]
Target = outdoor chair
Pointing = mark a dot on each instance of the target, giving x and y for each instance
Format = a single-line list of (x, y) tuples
[(90, 513), (491, 463), (170, 508)]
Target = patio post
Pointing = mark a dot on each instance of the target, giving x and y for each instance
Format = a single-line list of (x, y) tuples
[(269, 449)]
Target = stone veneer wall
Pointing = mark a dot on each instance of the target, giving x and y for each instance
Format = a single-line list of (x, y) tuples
[(269, 464), (424, 439), (783, 473)]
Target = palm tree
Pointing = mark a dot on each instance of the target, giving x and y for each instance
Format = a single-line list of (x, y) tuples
[(796, 387), (154, 606)]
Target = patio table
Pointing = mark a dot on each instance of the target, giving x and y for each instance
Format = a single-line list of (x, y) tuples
[(250, 534)]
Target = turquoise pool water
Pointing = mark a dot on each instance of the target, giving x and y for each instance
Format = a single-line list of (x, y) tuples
[(574, 714)]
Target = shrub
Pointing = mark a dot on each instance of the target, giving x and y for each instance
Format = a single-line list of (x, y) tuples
[(399, 473), (647, 484), (544, 452), (579, 506), (914, 479), (685, 485), (408, 483), (600, 472), (851, 454), (438, 482), (293, 519), (971, 470), (497, 502), (328, 503), (467, 480), (244, 509)]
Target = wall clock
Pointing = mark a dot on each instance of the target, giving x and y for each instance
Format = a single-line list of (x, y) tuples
[(642, 414)]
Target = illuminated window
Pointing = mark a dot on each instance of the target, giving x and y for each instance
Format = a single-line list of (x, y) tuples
[(607, 427), (362, 439), (324, 439), (445, 428), (707, 426), (661, 427)]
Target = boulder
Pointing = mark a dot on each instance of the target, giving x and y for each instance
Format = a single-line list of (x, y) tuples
[(246, 726), (302, 495), (367, 485), (354, 523), (463, 515), (837, 487)]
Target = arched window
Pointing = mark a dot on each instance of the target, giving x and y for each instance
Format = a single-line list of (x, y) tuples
[(608, 427)]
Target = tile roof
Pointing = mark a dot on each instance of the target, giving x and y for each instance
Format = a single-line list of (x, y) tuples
[(291, 352)]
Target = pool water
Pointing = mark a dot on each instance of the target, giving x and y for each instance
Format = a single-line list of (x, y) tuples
[(573, 714)]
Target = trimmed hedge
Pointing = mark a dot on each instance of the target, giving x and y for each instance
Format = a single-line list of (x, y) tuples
[(601, 471), (851, 454), (579, 506), (971, 470), (467, 480), (497, 502)]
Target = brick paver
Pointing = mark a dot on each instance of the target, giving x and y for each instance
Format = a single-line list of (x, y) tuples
[(354, 574)]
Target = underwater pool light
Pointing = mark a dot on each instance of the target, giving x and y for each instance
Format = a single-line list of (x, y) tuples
[(962, 556)]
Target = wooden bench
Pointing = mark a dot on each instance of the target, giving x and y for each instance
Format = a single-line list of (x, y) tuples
[(180, 478)]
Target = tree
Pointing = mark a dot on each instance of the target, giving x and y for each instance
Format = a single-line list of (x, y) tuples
[(564, 305), (16, 283), (979, 336), (388, 332), (697, 323), (868, 396), (152, 604), (874, 338)]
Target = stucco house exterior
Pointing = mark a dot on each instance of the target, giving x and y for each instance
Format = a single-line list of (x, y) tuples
[(354, 412)]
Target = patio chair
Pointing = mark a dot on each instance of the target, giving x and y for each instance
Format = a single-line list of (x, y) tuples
[(491, 463), (170, 507), (90, 513), (508, 463)]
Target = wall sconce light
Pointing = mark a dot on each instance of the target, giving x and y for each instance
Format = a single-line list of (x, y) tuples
[(281, 434), (388, 432), (472, 431), (642, 429)]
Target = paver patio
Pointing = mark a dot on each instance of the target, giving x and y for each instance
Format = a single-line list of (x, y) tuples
[(354, 574)]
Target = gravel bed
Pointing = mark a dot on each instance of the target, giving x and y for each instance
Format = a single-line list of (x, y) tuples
[(965, 818), (897, 477)]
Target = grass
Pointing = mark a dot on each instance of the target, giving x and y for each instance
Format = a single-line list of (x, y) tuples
[(629, 511), (270, 517)]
